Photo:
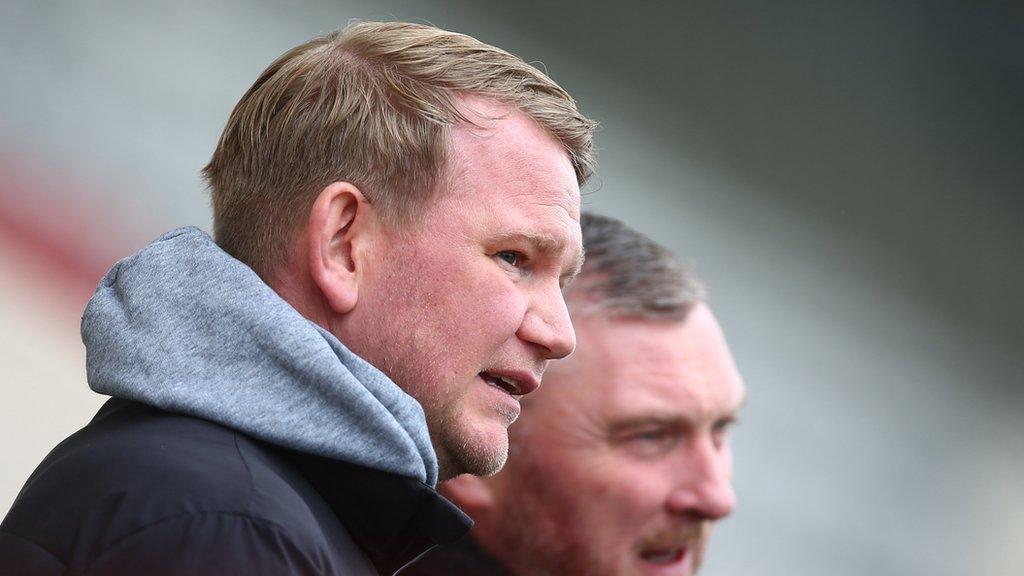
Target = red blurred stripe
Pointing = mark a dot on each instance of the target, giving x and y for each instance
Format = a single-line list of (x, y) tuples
[(64, 241)]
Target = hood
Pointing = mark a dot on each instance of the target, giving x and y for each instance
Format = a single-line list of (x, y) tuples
[(185, 327)]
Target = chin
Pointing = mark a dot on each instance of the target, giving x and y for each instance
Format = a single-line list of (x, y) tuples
[(480, 452)]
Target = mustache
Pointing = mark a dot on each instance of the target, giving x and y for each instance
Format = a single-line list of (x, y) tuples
[(674, 536)]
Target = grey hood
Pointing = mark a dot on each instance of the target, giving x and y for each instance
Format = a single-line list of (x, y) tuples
[(185, 327)]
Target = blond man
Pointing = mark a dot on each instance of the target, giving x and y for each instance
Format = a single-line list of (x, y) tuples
[(396, 211)]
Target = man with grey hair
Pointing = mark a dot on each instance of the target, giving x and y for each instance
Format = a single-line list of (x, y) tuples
[(621, 464), (396, 211)]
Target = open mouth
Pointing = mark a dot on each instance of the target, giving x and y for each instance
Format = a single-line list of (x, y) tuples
[(665, 556), (509, 385)]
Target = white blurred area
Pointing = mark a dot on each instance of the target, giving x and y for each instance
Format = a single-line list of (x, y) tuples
[(852, 210), (44, 395)]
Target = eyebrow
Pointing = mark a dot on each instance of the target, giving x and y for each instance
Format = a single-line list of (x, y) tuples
[(668, 421), (672, 420), (547, 244)]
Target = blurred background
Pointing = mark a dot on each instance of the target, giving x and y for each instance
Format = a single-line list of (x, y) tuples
[(846, 176)]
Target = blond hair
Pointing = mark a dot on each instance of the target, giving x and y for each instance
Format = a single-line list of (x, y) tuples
[(372, 104)]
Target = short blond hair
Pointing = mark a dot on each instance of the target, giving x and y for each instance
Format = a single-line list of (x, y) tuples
[(372, 104)]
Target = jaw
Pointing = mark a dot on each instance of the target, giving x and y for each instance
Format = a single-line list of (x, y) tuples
[(471, 437), (476, 458)]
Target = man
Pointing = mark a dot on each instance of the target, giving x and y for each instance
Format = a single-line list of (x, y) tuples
[(621, 464), (396, 212)]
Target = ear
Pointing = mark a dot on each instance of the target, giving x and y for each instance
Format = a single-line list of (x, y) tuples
[(472, 494), (338, 217)]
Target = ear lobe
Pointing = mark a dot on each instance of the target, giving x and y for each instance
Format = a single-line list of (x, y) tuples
[(471, 493), (331, 234)]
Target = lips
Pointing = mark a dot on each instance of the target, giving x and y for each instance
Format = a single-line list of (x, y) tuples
[(664, 557), (666, 560), (673, 552), (515, 383)]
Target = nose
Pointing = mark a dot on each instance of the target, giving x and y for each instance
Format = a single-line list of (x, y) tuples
[(704, 488), (547, 324)]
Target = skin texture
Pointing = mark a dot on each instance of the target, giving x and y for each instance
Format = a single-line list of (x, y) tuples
[(474, 287), (622, 455)]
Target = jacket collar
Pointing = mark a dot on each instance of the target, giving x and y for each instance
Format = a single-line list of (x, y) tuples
[(394, 519), (462, 558)]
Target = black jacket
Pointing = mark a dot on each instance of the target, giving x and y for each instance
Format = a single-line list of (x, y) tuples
[(462, 558), (146, 492)]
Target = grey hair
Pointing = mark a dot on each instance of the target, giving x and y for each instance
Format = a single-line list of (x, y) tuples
[(627, 274)]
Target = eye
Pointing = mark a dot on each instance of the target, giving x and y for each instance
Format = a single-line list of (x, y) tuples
[(720, 431), (651, 443), (511, 257), (649, 436)]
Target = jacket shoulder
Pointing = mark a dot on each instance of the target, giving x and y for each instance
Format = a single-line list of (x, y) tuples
[(144, 485), (217, 543)]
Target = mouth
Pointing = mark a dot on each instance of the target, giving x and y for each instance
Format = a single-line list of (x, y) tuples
[(515, 384), (668, 558), (509, 385)]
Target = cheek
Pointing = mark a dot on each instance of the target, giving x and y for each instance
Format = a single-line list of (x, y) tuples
[(452, 314), (629, 494), (623, 493), (482, 307)]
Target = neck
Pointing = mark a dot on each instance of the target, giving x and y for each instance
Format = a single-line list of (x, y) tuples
[(298, 289)]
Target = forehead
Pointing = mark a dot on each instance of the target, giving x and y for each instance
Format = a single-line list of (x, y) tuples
[(625, 369), (509, 184), (502, 146)]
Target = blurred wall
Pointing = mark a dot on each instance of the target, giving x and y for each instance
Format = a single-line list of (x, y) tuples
[(846, 176)]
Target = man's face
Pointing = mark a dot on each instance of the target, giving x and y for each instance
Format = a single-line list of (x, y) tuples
[(621, 465), (464, 309)]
